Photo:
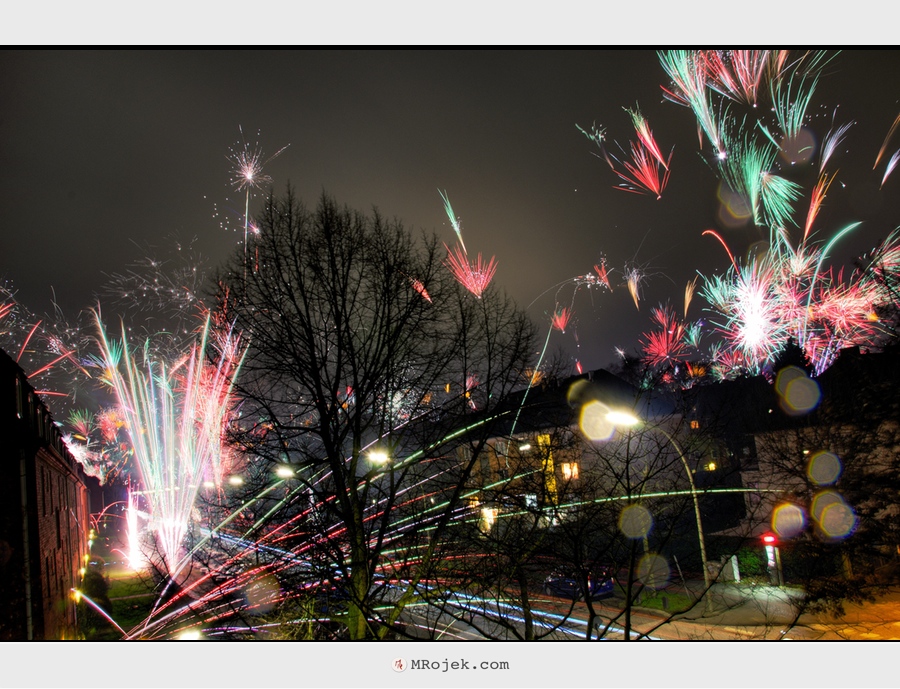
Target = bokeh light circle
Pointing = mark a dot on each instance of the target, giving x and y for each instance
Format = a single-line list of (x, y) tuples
[(734, 211), (787, 375), (823, 500), (263, 593), (824, 468), (835, 517), (653, 571), (838, 520), (788, 520), (635, 521), (578, 392), (799, 149), (593, 421), (799, 393), (801, 396)]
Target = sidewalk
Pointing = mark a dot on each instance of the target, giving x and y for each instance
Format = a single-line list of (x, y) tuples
[(772, 612)]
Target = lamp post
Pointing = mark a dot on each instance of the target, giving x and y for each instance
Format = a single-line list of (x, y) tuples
[(629, 420)]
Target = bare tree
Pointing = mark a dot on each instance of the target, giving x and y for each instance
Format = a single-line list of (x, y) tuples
[(366, 362), (838, 471)]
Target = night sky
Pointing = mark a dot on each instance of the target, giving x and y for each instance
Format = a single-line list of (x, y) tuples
[(110, 157)]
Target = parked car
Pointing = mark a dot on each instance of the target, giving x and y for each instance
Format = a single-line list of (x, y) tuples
[(570, 583)]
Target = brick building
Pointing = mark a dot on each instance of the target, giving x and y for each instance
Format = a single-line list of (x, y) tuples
[(44, 516)]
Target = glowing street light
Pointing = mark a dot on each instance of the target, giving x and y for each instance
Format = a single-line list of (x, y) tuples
[(622, 418), (379, 457), (628, 420), (190, 635), (284, 472)]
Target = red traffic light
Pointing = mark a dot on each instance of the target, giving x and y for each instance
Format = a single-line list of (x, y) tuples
[(769, 539)]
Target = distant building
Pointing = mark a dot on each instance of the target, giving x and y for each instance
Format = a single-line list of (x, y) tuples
[(44, 516), (816, 469)]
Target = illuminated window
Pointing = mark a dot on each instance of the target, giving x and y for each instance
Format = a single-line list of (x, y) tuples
[(473, 503), (569, 470), (695, 424), (531, 500)]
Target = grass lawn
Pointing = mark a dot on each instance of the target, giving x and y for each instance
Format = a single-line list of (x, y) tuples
[(132, 598), (668, 601)]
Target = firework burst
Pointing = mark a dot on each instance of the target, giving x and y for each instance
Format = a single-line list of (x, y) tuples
[(560, 319), (647, 170), (247, 174), (474, 276)]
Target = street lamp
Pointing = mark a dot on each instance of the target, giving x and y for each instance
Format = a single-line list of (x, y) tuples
[(627, 419), (379, 457), (284, 472)]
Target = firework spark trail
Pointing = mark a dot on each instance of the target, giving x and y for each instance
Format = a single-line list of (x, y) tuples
[(892, 163), (887, 139), (743, 298), (602, 274), (778, 195), (173, 417), (645, 136), (248, 161), (454, 221), (748, 171), (47, 349), (633, 279), (738, 74), (163, 289), (833, 139), (815, 203), (689, 78), (475, 277), (79, 596), (689, 290), (791, 102), (641, 174), (787, 291), (135, 556), (647, 171), (420, 288), (27, 340)]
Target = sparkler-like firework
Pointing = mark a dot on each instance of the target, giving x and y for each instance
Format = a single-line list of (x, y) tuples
[(174, 415)]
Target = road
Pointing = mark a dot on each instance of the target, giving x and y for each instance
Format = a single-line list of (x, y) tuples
[(472, 617)]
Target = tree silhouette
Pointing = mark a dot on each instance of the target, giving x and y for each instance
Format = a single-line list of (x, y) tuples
[(366, 362)]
